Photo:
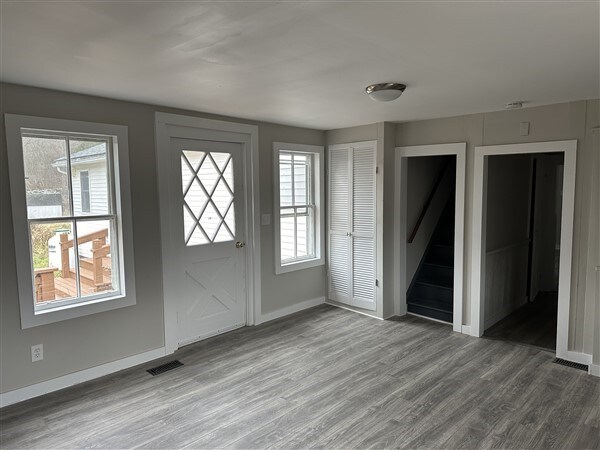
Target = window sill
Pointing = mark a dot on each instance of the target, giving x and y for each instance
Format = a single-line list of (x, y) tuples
[(75, 309), (299, 265)]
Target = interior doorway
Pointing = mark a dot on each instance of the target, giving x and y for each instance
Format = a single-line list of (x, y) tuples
[(524, 206), (429, 231), (481, 281)]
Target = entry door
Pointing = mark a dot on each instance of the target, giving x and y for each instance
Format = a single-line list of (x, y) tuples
[(207, 223)]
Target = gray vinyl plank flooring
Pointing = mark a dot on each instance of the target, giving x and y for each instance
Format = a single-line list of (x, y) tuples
[(325, 378)]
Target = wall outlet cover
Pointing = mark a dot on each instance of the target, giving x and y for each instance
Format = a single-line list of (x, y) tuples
[(265, 219), (37, 352)]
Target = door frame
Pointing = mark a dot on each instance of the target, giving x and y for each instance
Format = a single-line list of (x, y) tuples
[(569, 148), (400, 226), (169, 126)]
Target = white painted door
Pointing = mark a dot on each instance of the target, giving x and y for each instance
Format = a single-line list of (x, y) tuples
[(207, 223), (352, 220)]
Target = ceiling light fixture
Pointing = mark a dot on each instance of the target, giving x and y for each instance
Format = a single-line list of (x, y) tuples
[(385, 92)]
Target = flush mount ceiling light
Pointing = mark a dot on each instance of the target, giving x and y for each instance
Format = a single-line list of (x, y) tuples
[(385, 92)]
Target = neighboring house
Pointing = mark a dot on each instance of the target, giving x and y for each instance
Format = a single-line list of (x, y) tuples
[(44, 203), (89, 181)]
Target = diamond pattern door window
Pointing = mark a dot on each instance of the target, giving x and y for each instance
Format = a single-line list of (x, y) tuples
[(207, 186)]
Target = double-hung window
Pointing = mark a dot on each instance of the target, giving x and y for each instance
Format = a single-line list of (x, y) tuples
[(298, 202), (71, 216)]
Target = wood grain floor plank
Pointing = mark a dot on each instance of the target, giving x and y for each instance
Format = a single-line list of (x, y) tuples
[(325, 378)]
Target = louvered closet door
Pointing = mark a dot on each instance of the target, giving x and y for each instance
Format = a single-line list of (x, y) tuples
[(352, 191), (339, 254), (363, 227)]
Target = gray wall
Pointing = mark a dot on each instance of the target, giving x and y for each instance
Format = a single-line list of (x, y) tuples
[(89, 341), (573, 120)]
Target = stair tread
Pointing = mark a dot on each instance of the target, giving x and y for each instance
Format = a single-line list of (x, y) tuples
[(438, 265), (432, 284), (437, 305)]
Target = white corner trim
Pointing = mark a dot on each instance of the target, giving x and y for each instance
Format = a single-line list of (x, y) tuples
[(282, 312), (594, 370), (55, 384)]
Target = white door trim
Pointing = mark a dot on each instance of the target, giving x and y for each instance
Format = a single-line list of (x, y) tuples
[(400, 231), (566, 239), (173, 125)]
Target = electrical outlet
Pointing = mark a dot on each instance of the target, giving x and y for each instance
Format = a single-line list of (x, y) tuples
[(37, 352), (265, 219)]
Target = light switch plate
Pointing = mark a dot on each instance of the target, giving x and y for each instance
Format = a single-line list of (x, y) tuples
[(265, 219), (524, 129)]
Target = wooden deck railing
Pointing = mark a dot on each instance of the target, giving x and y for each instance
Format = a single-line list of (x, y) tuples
[(44, 278)]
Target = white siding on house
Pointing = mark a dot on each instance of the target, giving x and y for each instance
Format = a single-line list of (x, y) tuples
[(98, 188)]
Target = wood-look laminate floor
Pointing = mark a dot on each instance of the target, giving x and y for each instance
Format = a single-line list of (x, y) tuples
[(326, 378), (532, 324)]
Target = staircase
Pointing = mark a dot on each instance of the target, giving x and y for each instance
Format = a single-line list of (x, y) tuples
[(431, 291)]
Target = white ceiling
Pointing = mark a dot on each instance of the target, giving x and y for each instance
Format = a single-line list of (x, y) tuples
[(307, 63)]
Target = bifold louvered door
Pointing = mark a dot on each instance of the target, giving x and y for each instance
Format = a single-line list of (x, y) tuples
[(352, 230)]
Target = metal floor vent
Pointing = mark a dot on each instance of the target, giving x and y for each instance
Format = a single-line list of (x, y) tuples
[(165, 367), (575, 365)]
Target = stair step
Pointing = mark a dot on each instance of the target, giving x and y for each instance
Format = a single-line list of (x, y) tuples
[(440, 254), (431, 292), (86, 263), (87, 276), (436, 274), (430, 308), (444, 236)]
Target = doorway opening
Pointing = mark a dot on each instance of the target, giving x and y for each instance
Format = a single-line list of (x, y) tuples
[(430, 231), (523, 228), (485, 280)]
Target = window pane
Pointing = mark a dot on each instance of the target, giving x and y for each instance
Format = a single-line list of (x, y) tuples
[(303, 240), (52, 257), (46, 182), (285, 180), (208, 208), (96, 261), (89, 158), (301, 179), (288, 238)]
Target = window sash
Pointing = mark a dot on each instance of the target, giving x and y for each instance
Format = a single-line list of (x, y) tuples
[(112, 217), (297, 209)]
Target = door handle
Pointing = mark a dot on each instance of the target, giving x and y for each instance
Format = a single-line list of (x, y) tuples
[(239, 244)]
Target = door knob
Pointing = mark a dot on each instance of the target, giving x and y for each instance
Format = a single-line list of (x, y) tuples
[(239, 244)]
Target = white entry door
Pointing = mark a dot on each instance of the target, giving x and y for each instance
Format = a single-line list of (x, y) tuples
[(207, 225)]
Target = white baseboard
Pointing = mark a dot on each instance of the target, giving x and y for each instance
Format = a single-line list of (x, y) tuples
[(282, 312), (349, 308), (594, 369), (55, 384), (466, 329)]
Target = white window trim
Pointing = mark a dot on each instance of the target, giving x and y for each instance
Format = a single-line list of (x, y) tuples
[(319, 196), (126, 297)]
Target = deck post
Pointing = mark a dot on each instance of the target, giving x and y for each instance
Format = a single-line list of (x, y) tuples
[(64, 255), (44, 285), (97, 269)]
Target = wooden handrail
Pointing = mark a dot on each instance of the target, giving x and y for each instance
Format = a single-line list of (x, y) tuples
[(428, 202), (84, 238)]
